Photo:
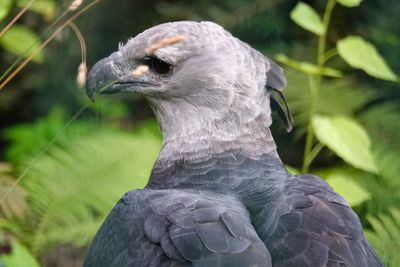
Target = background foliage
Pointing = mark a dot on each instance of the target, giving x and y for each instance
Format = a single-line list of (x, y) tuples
[(65, 162)]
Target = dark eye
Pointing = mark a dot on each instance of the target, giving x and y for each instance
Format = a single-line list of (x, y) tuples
[(157, 65)]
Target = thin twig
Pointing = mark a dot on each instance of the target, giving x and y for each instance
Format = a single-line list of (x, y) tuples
[(9, 25), (51, 37)]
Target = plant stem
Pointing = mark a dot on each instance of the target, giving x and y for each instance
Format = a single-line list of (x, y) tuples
[(314, 152), (330, 54), (21, 57), (313, 90), (9, 25), (322, 38), (51, 37), (315, 84)]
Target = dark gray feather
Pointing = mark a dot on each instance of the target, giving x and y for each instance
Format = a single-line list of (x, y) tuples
[(165, 227), (275, 76)]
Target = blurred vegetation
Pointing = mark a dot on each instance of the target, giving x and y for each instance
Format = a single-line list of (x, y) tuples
[(65, 162)]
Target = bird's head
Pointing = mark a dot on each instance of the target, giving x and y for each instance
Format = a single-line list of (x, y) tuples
[(194, 75)]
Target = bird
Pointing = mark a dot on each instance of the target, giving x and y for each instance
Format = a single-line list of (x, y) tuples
[(218, 194)]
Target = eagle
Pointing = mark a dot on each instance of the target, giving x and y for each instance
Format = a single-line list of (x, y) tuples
[(218, 194)]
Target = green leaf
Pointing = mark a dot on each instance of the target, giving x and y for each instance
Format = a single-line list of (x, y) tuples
[(20, 257), (308, 67), (307, 18), (347, 139), (5, 6), (47, 8), (20, 38), (361, 54), (348, 188), (349, 3)]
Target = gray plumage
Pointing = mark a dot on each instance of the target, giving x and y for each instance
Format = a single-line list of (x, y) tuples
[(218, 194)]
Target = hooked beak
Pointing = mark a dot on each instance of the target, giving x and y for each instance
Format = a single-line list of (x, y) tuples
[(111, 75)]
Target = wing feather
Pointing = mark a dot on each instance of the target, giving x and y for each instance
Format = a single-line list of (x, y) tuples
[(177, 228), (318, 229)]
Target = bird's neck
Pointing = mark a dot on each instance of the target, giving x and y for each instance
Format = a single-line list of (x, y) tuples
[(193, 137), (257, 180)]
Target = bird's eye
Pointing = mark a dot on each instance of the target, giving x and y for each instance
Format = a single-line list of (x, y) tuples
[(157, 65)]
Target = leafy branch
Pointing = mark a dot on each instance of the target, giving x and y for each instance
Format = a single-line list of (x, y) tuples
[(342, 134)]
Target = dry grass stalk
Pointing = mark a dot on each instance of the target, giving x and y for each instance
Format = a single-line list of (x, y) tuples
[(12, 22), (140, 70), (75, 4), (164, 43), (51, 37), (82, 73), (82, 69)]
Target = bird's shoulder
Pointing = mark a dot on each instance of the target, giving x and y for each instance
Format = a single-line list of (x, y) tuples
[(317, 227), (166, 227)]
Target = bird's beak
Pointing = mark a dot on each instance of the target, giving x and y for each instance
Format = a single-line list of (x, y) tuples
[(102, 76), (112, 75)]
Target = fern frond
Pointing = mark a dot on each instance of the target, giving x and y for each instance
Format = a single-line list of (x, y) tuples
[(385, 236), (382, 122), (14, 206), (342, 96), (79, 182), (28, 139)]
